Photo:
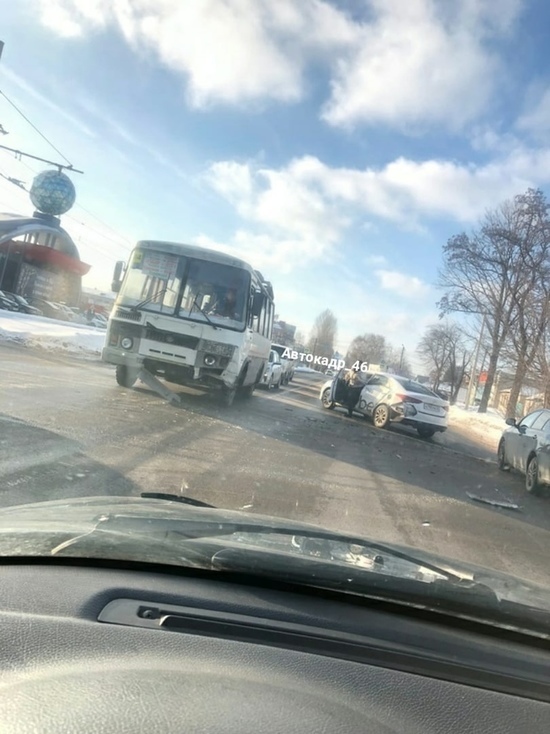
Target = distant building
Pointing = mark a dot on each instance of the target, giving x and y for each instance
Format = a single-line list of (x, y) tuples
[(38, 259), (283, 333)]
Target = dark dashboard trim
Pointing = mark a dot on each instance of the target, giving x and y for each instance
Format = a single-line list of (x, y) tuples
[(338, 625)]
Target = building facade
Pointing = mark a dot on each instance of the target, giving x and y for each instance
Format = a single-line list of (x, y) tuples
[(283, 333), (39, 260)]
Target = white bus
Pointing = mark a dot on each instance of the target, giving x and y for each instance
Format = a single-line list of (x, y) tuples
[(192, 316)]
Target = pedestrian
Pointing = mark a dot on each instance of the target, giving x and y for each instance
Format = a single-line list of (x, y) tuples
[(355, 383)]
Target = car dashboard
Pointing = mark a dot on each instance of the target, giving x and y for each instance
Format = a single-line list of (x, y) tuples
[(100, 648)]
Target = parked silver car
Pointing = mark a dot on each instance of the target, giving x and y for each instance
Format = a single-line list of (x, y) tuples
[(525, 447), (273, 373), (287, 364)]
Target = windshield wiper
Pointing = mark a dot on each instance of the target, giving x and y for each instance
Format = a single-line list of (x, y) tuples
[(143, 303), (206, 316), (176, 498), (204, 529)]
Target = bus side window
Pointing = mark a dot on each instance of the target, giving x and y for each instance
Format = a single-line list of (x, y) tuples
[(256, 323), (270, 324), (250, 314), (265, 318)]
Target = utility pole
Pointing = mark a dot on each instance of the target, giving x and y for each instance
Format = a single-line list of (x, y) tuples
[(401, 358), (473, 374)]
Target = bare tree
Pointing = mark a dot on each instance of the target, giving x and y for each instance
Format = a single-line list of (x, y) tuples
[(370, 348), (323, 335), (491, 271), (299, 341), (540, 367), (433, 348), (444, 352), (397, 362)]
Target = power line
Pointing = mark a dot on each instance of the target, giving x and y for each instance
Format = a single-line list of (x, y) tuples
[(15, 107), (14, 181), (127, 246)]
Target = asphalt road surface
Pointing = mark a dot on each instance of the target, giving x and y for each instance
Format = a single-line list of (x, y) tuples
[(68, 430)]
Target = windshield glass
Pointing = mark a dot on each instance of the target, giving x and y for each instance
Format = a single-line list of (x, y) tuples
[(154, 279), (286, 259), (216, 292), (209, 291)]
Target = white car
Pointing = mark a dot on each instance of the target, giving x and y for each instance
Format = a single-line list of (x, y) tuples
[(273, 374), (389, 399)]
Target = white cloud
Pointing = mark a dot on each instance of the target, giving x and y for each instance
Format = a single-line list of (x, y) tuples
[(315, 203), (246, 50), (420, 61), (400, 63), (408, 286), (296, 223), (59, 18)]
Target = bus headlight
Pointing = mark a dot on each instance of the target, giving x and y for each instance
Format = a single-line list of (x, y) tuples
[(209, 360), (127, 342)]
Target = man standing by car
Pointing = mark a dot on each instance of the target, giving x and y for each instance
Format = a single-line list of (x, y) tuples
[(355, 382)]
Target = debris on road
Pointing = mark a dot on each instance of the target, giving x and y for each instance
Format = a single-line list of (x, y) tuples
[(494, 503)]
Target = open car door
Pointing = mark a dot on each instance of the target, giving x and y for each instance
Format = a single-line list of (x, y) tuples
[(337, 387)]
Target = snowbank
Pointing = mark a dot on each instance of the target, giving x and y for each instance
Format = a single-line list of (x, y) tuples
[(39, 331), (487, 427), (303, 368)]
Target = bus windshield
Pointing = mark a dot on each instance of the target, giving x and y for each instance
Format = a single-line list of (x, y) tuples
[(217, 291), (153, 279), (209, 291)]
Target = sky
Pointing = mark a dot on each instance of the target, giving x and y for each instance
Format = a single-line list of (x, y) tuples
[(335, 146)]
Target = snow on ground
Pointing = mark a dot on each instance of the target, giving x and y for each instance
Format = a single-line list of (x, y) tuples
[(41, 332), (487, 427), (303, 368)]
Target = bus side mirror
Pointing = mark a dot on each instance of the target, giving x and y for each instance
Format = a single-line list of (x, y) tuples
[(117, 276), (257, 303)]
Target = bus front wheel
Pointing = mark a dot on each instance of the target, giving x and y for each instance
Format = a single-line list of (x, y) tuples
[(124, 377), (246, 392)]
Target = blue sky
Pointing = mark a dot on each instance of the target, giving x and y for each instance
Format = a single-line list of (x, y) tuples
[(334, 145)]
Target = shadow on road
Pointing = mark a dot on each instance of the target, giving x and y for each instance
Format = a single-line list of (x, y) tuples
[(48, 466), (294, 416)]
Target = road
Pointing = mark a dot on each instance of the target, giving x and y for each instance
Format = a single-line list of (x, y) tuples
[(67, 430)]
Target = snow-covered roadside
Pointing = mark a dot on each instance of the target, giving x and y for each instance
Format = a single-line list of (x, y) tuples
[(485, 427), (44, 333)]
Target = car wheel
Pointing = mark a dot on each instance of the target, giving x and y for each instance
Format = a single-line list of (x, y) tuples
[(326, 402), (425, 432), (381, 416), (501, 457), (124, 377), (532, 476)]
